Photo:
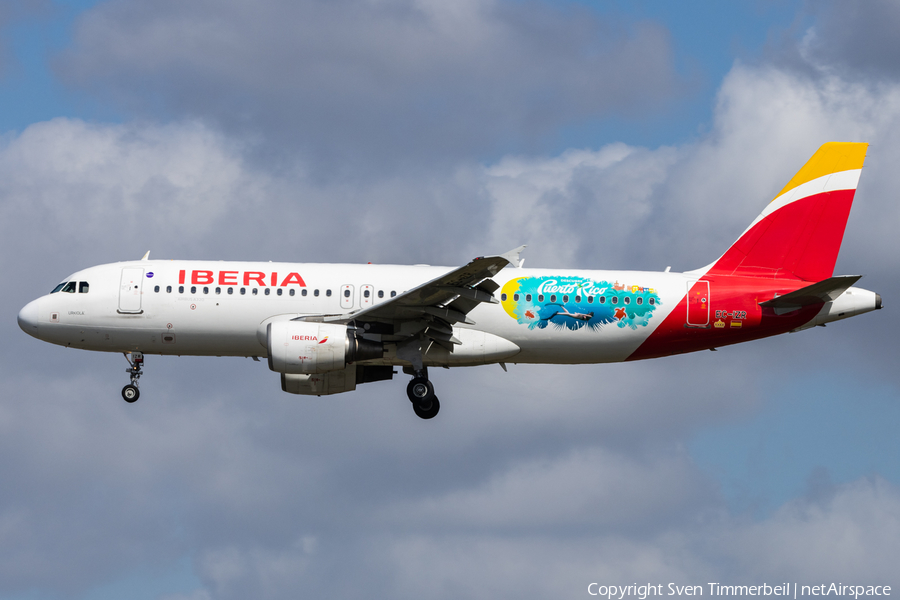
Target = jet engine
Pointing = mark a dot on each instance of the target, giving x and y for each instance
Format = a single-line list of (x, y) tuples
[(301, 347)]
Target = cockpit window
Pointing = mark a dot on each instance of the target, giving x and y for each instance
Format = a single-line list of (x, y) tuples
[(70, 287), (59, 287), (83, 287)]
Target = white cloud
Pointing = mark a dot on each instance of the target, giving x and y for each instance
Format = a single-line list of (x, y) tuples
[(84, 186), (530, 484)]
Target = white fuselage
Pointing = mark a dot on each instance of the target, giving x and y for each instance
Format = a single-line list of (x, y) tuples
[(222, 316), (222, 309)]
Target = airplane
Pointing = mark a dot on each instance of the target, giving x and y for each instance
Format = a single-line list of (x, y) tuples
[(327, 328)]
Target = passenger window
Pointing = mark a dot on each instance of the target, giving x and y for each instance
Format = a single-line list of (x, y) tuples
[(180, 289), (367, 293), (615, 299), (218, 290), (292, 291), (267, 291), (230, 290), (650, 301), (540, 297), (328, 293), (346, 293), (577, 298), (303, 292), (602, 299), (83, 287), (193, 289), (503, 297), (640, 300), (316, 293), (527, 297), (516, 297), (566, 298), (381, 293), (393, 294), (168, 289), (205, 290), (552, 297), (255, 291), (243, 291), (156, 288), (627, 300), (59, 287), (590, 299), (70, 287), (280, 291)]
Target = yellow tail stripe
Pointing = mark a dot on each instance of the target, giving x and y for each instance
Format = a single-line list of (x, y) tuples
[(832, 157)]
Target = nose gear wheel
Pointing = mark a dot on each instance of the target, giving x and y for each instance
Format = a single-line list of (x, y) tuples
[(130, 393)]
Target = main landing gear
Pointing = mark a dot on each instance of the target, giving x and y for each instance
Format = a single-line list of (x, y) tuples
[(421, 394), (131, 392)]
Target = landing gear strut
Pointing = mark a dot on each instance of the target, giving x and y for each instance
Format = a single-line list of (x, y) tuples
[(131, 392), (421, 394)]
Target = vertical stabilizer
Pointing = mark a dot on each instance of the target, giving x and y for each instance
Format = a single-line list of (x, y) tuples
[(799, 233)]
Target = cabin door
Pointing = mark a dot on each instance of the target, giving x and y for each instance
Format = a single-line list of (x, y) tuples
[(698, 304), (130, 290)]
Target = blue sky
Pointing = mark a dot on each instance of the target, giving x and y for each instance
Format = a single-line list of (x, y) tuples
[(269, 129), (30, 89)]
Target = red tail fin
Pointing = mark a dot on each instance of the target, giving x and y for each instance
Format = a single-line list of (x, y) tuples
[(799, 233)]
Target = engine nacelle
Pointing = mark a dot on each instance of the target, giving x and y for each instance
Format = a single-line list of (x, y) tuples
[(334, 382), (320, 384), (301, 347)]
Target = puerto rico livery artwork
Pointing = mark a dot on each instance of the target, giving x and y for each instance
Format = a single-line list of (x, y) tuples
[(576, 302), (328, 328)]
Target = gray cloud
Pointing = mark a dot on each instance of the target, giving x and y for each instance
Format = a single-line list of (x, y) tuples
[(530, 484), (380, 83), (858, 39)]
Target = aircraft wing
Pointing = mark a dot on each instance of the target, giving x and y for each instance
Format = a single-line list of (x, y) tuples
[(826, 290), (433, 307)]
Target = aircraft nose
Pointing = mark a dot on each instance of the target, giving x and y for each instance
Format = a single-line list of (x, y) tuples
[(28, 318)]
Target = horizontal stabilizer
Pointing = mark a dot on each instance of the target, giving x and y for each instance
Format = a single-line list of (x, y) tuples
[(826, 290)]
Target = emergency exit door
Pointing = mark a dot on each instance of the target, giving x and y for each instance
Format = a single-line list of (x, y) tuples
[(347, 296), (366, 295), (130, 290), (698, 304)]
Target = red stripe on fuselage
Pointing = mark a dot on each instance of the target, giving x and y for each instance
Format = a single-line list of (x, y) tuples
[(735, 296)]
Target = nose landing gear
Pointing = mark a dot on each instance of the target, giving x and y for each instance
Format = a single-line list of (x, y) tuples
[(131, 392), (421, 394)]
